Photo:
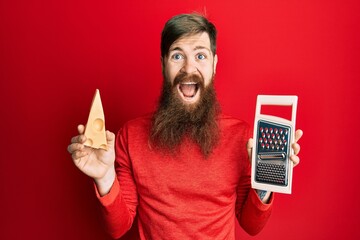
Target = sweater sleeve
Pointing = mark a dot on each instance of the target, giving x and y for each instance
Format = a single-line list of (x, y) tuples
[(255, 214), (119, 205)]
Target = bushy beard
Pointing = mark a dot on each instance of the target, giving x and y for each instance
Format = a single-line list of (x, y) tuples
[(174, 119)]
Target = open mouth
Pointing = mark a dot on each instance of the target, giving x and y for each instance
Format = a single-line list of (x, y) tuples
[(189, 91)]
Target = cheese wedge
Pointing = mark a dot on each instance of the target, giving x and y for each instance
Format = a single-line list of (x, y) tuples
[(95, 127)]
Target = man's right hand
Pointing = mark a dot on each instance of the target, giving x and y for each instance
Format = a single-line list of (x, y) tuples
[(96, 163)]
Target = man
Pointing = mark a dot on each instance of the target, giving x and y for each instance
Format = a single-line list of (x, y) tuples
[(185, 170)]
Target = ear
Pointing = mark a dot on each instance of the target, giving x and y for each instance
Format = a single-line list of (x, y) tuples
[(215, 62), (162, 61), (162, 64)]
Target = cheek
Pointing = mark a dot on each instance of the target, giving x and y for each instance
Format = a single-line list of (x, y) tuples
[(207, 81), (208, 75), (170, 73)]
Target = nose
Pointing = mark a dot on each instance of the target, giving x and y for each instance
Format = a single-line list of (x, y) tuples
[(189, 66)]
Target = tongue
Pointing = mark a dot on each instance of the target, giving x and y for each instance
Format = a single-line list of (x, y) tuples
[(188, 89)]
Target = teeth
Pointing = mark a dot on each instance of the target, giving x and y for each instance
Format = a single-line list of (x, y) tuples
[(188, 83)]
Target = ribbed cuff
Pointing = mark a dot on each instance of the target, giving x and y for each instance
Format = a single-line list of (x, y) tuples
[(257, 201), (109, 198)]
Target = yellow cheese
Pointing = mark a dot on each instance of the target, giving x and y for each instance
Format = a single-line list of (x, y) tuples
[(95, 127)]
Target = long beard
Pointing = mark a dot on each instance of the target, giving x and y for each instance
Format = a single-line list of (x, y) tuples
[(174, 120)]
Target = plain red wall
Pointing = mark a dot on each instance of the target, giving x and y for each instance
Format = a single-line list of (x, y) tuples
[(53, 54)]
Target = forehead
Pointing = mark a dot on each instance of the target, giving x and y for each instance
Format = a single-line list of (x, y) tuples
[(192, 41)]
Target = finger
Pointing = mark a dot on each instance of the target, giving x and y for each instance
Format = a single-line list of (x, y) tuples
[(249, 146), (78, 139), (296, 148), (295, 159), (110, 138), (75, 147), (298, 134), (81, 129), (77, 155)]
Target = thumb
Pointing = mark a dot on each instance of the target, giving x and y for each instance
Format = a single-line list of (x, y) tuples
[(110, 139), (249, 147)]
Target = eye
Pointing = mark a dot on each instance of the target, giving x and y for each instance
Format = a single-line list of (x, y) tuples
[(177, 56), (201, 56)]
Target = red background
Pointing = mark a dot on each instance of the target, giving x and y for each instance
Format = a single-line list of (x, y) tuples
[(53, 54)]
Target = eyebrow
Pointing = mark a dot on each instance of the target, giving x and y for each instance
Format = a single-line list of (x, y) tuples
[(196, 48), (201, 48)]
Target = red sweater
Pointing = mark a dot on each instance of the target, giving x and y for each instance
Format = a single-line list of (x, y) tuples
[(183, 196)]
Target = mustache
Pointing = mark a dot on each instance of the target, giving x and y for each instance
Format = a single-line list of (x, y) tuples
[(184, 77)]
